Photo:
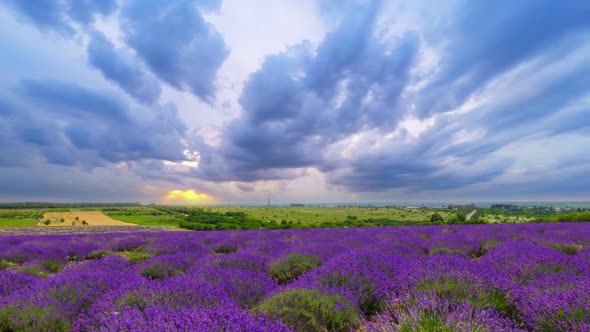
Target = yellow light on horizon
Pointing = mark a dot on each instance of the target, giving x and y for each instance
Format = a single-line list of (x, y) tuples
[(188, 197)]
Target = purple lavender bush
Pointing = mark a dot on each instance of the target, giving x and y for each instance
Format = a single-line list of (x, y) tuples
[(525, 277)]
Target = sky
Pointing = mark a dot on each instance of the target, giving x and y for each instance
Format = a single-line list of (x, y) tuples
[(311, 101)]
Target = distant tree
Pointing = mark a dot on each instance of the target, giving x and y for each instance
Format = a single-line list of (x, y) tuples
[(436, 218), (461, 216), (77, 218)]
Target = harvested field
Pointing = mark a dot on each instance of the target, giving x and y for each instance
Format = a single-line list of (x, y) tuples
[(79, 218)]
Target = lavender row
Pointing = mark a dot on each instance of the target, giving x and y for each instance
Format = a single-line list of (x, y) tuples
[(527, 277)]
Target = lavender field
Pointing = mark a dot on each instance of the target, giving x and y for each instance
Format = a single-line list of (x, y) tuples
[(529, 277)]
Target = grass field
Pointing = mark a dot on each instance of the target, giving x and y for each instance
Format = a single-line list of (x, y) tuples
[(504, 219), (311, 215), (305, 216), (18, 222), (146, 220)]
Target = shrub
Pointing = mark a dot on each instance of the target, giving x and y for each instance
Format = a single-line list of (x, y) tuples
[(4, 264), (310, 310), (135, 256), (436, 218), (52, 266), (160, 270), (570, 249), (96, 254), (465, 290), (226, 248), (485, 246), (427, 314), (444, 250), (292, 266)]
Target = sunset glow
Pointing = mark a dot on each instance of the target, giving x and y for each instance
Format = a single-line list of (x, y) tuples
[(188, 197)]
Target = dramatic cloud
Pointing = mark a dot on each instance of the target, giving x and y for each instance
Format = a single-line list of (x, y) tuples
[(175, 41), (488, 39), (337, 107), (121, 67), (69, 124), (304, 99), (373, 100), (59, 15)]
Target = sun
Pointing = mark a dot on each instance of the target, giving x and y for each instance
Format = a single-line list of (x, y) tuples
[(188, 197)]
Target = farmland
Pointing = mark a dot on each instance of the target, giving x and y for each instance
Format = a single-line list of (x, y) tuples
[(529, 277), (80, 218), (314, 215), (274, 217)]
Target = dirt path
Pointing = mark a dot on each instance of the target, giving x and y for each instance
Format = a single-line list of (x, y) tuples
[(80, 218), (470, 214)]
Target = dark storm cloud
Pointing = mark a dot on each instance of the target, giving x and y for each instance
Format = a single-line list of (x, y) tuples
[(53, 182), (301, 100), (74, 101), (176, 43), (58, 15), (122, 68), (68, 124), (374, 172)]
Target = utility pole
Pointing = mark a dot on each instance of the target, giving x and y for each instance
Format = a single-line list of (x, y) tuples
[(268, 200)]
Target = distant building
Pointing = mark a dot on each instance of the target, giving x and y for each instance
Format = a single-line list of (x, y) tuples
[(507, 207)]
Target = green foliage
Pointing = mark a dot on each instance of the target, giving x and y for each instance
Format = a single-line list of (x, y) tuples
[(226, 248), (18, 222), (288, 268), (460, 290), (98, 254), (573, 320), (199, 219), (485, 246), (570, 249), (369, 301), (444, 250), (436, 218), (311, 310), (35, 270), (52, 266), (426, 321), (160, 270), (17, 318), (135, 256), (145, 216), (461, 217), (564, 217), (4, 264)]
